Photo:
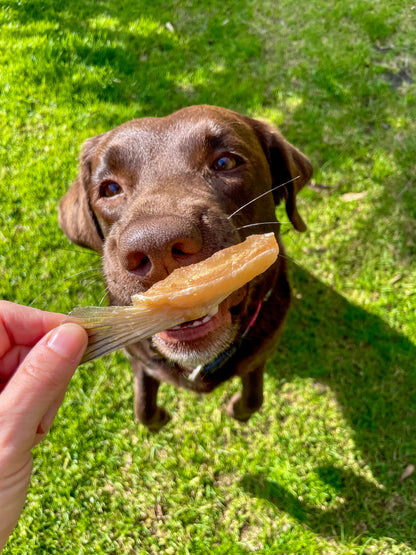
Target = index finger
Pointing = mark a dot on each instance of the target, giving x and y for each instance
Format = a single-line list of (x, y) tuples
[(24, 326)]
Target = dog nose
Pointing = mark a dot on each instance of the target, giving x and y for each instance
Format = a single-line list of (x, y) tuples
[(153, 249)]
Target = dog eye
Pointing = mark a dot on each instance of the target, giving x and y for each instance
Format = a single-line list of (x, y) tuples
[(226, 162), (110, 189)]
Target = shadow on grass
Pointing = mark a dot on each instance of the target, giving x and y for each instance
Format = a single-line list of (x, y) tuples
[(371, 369), (161, 68), (369, 366), (155, 70)]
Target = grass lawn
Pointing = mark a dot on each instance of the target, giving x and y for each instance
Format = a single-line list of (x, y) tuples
[(319, 469)]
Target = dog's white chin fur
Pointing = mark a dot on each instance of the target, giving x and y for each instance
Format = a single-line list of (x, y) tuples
[(184, 355)]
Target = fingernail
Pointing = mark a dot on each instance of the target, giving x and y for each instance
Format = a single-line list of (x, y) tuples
[(69, 341)]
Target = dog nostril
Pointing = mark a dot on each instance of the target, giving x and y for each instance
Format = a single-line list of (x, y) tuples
[(185, 248), (138, 263), (178, 252), (153, 251), (145, 261)]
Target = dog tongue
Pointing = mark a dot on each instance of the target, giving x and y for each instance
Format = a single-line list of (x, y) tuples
[(195, 329)]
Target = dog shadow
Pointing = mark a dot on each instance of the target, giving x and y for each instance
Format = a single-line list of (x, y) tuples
[(370, 368)]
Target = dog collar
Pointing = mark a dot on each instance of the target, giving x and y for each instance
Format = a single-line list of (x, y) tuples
[(225, 356)]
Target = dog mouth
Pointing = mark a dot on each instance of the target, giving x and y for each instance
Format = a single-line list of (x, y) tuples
[(200, 341), (218, 317)]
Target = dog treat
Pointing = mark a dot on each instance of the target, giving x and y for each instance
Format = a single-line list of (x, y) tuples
[(188, 293)]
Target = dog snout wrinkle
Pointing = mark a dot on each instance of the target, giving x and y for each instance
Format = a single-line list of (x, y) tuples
[(153, 249)]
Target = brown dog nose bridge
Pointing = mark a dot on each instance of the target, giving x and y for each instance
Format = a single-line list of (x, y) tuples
[(153, 248)]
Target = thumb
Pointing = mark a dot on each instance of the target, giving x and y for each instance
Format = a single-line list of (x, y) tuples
[(40, 380)]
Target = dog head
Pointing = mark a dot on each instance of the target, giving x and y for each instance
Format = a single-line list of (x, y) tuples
[(157, 193)]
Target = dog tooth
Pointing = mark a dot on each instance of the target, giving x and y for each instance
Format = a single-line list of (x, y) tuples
[(206, 319), (213, 311), (199, 321)]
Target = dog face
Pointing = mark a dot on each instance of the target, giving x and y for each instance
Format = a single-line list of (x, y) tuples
[(157, 193)]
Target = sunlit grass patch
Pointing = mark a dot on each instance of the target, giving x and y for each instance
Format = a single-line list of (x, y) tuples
[(318, 469)]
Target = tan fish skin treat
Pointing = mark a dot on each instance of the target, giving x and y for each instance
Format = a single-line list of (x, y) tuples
[(188, 293)]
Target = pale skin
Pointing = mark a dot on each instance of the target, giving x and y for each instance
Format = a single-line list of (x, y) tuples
[(38, 357)]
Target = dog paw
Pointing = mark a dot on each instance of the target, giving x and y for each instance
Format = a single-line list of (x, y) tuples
[(238, 410), (159, 419)]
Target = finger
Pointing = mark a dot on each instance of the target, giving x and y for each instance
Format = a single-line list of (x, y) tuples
[(10, 362), (49, 417), (24, 325), (41, 379)]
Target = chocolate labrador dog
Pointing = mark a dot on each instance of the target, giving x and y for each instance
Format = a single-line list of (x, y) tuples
[(157, 193)]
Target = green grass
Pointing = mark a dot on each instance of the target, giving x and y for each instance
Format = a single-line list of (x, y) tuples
[(318, 469)]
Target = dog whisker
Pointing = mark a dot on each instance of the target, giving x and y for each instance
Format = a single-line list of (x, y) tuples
[(106, 292), (66, 279), (80, 251), (262, 223), (87, 282), (291, 260), (262, 195)]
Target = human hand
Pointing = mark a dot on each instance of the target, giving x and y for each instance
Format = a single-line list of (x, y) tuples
[(37, 361)]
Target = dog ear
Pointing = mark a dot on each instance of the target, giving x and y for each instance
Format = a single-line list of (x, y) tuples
[(76, 216), (289, 168)]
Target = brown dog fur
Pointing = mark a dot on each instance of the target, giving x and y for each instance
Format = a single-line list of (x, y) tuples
[(156, 193)]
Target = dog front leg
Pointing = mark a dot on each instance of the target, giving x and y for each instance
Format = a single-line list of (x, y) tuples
[(146, 409), (244, 404)]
